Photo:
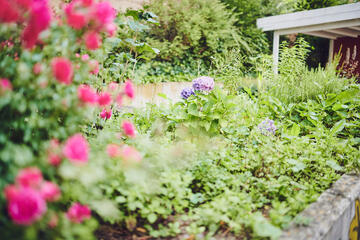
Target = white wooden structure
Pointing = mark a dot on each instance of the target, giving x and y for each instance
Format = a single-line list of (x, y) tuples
[(330, 23)]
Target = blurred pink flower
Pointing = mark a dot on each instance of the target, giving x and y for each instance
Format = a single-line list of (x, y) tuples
[(76, 149), (39, 21), (87, 95), (85, 57), (111, 29), (119, 100), (50, 191), (106, 114), (94, 67), (75, 19), (54, 158), (29, 177), (10, 191), (129, 89), (8, 13), (128, 128), (130, 154), (26, 206), (103, 13), (54, 220), (113, 150), (92, 40), (87, 3), (5, 84), (37, 69), (62, 70), (104, 99), (78, 213), (113, 86)]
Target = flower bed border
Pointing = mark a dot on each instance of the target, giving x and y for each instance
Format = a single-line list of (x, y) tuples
[(331, 215)]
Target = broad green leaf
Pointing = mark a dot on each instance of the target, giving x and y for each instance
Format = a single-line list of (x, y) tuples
[(339, 126)]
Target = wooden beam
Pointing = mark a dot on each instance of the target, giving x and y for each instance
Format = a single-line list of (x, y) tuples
[(276, 43), (311, 17), (323, 34), (345, 32), (355, 28), (321, 27)]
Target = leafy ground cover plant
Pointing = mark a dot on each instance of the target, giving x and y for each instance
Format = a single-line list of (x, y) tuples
[(263, 161)]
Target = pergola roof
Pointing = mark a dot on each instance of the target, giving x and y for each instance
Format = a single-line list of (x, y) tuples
[(330, 22)]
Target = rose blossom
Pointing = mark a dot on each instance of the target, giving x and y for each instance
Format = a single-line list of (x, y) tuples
[(78, 213), (85, 57), (29, 177), (75, 19), (128, 128), (54, 157), (104, 99), (103, 13), (130, 154), (87, 95), (129, 89), (106, 114), (76, 149), (50, 191), (92, 40), (5, 84), (113, 150), (62, 70), (119, 100), (39, 21), (26, 206), (37, 68)]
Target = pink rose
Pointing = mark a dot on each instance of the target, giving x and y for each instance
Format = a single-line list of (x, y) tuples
[(87, 95), (129, 89), (106, 114), (128, 128), (130, 155), (5, 85), (29, 177), (26, 207), (37, 69), (103, 13), (113, 86), (50, 191), (85, 57), (54, 220), (54, 157), (39, 21), (75, 19), (119, 100), (113, 150), (10, 191), (94, 67), (8, 13), (78, 213), (111, 29), (62, 70), (104, 99), (76, 149), (92, 40)]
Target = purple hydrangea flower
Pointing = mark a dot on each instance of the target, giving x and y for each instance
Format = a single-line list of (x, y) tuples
[(187, 92), (267, 127), (203, 83)]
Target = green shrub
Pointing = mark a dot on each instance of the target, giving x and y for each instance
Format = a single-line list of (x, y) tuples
[(192, 29)]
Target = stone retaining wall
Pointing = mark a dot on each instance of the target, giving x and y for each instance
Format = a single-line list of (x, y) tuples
[(334, 216)]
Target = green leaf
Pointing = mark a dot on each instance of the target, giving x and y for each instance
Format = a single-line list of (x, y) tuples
[(151, 217), (334, 165), (338, 127)]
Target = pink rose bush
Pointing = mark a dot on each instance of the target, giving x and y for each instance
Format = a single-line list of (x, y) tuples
[(28, 196), (77, 213), (47, 91)]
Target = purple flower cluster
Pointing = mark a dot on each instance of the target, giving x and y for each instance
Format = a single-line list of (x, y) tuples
[(187, 92), (203, 83), (267, 127)]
